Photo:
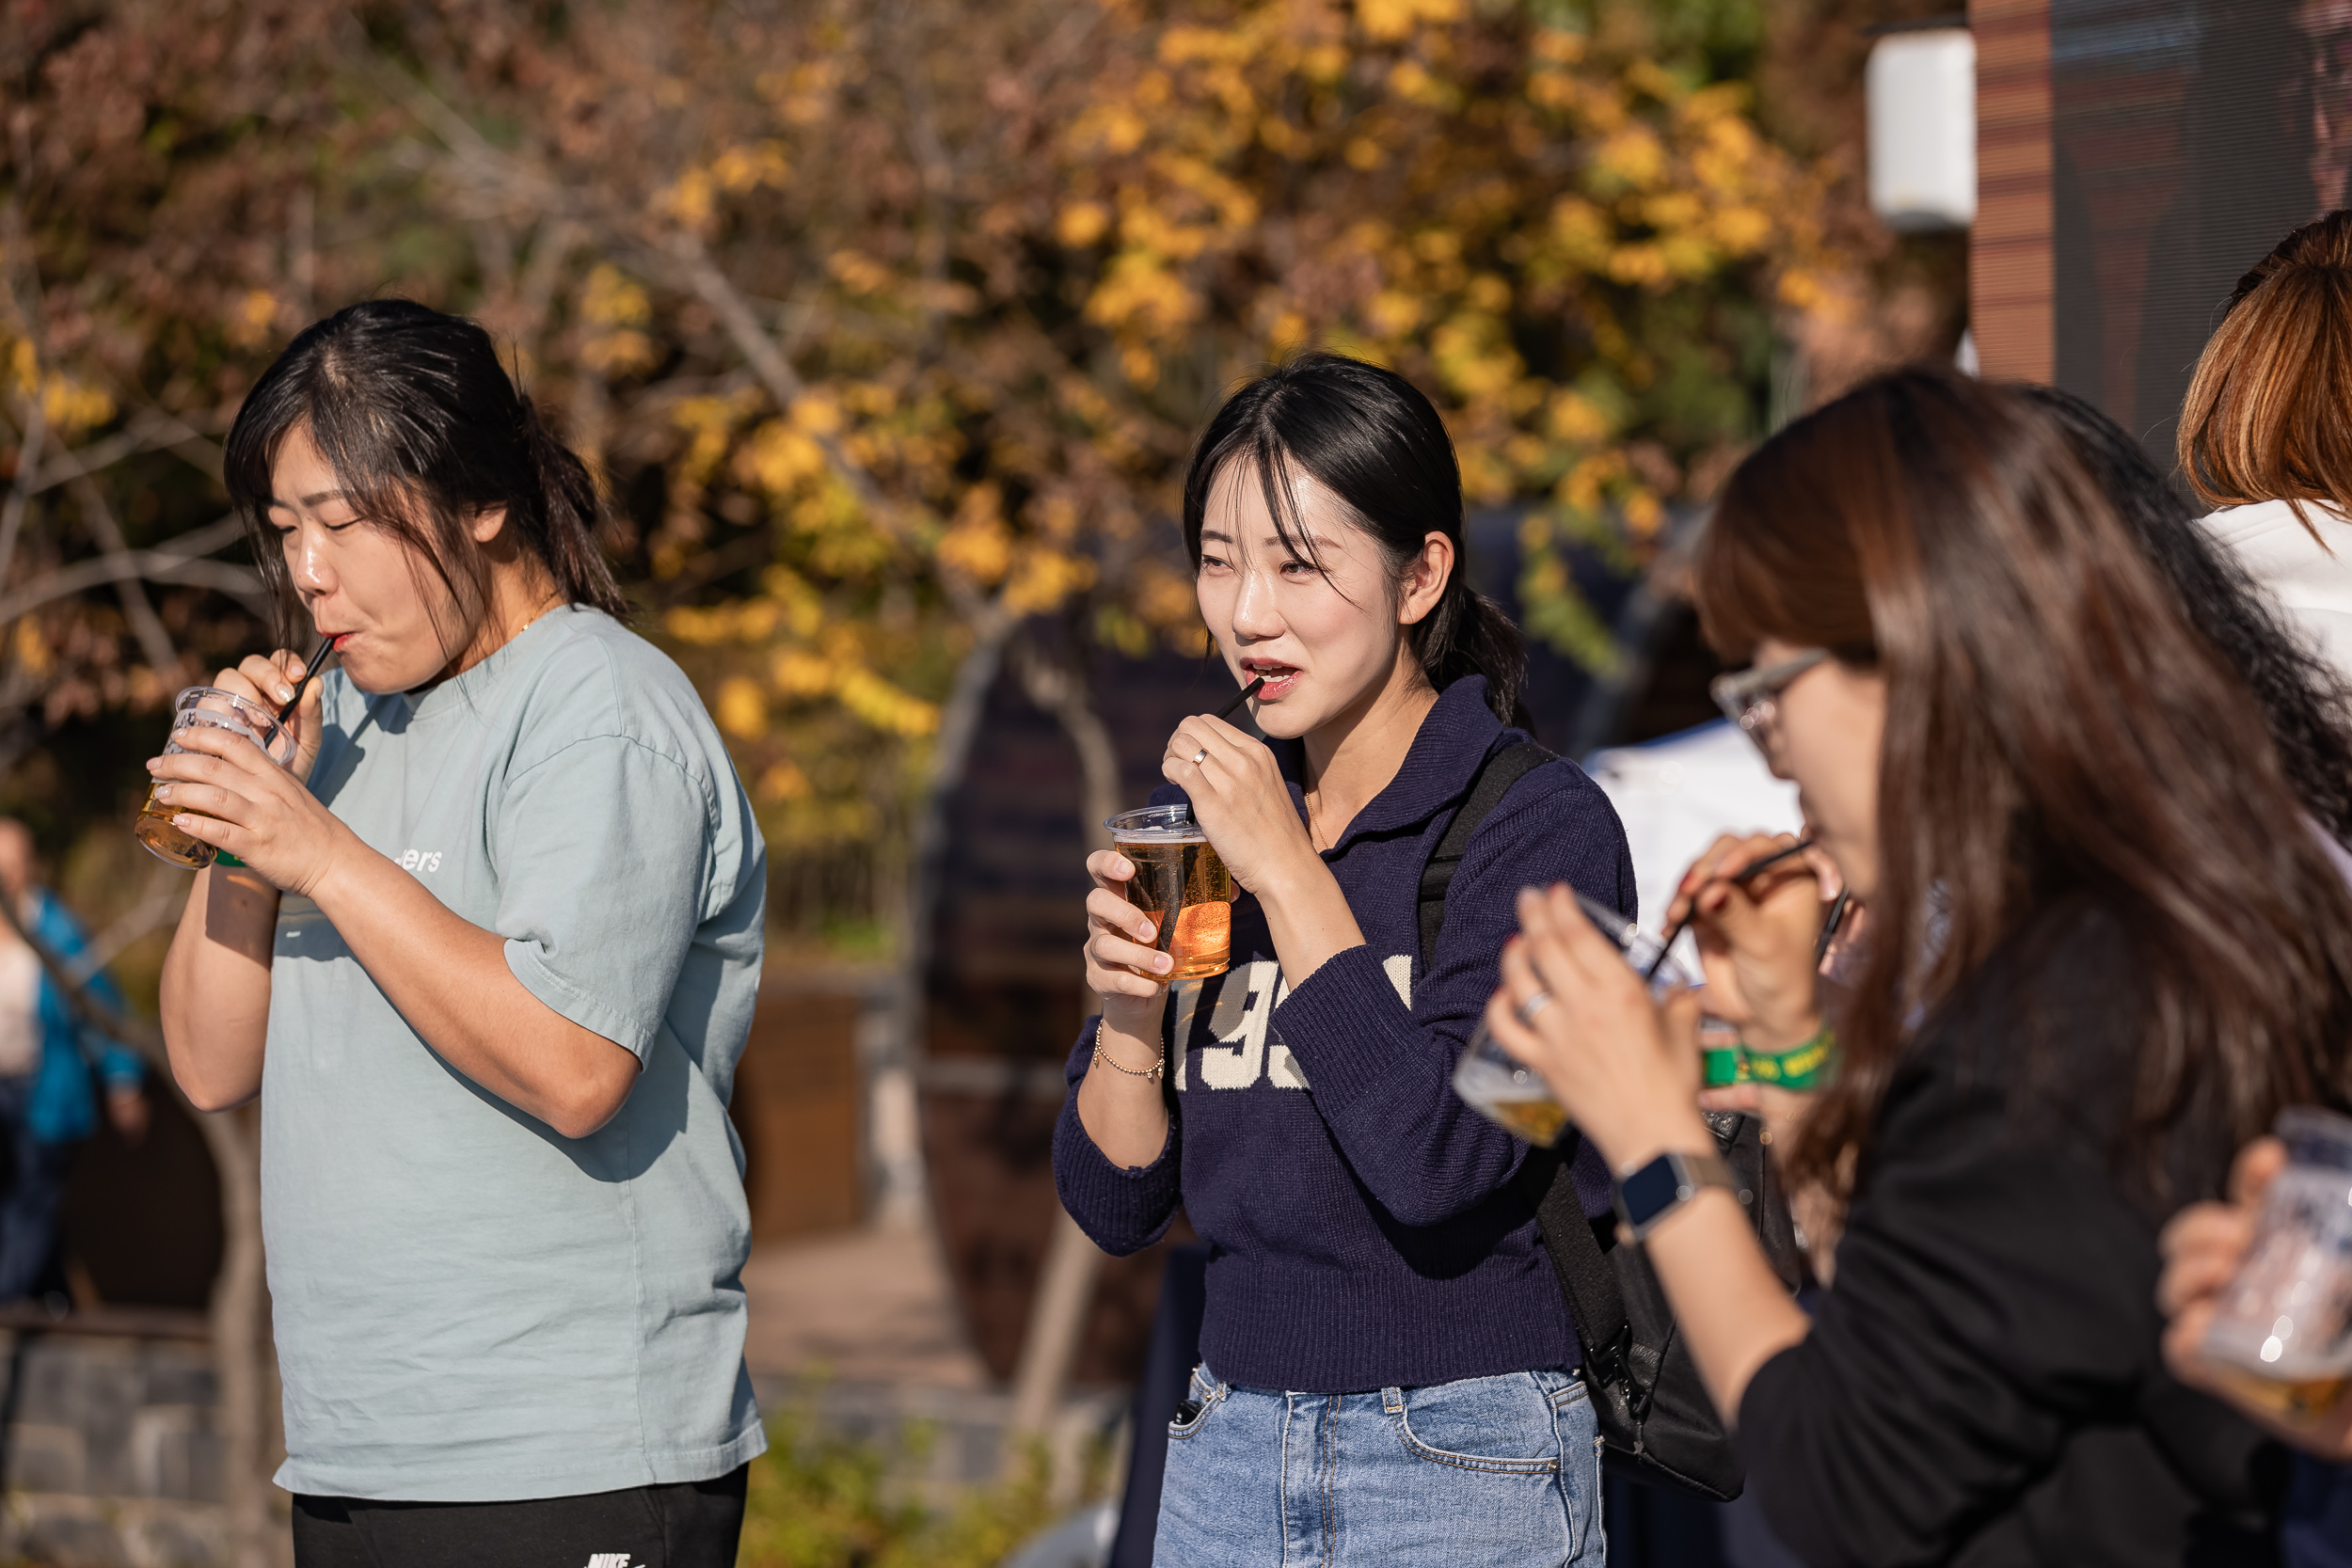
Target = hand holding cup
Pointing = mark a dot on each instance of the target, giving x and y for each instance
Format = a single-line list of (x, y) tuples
[(225, 792), (1123, 965), (2205, 1250), (1626, 1069), (1757, 936)]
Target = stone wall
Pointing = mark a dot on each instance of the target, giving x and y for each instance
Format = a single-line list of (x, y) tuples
[(108, 1455)]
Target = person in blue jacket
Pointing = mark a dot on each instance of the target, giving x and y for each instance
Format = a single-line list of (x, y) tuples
[(1388, 1368), (47, 1058)]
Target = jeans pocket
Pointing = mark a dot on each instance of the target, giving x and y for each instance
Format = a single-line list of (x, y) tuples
[(1205, 1394), (1503, 1425)]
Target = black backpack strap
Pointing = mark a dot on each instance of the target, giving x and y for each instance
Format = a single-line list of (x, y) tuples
[(1586, 1277), (1496, 776)]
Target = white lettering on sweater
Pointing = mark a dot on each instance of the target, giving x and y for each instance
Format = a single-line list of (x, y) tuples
[(1249, 1050), (1399, 969), (1281, 1068), (1244, 1006)]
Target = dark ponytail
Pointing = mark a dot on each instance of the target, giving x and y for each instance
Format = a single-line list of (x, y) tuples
[(1369, 436), (567, 544), (425, 431)]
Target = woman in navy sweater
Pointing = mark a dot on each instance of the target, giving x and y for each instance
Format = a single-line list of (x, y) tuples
[(1388, 1363)]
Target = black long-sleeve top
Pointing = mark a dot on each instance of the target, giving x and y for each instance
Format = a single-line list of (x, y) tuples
[(1982, 1386)]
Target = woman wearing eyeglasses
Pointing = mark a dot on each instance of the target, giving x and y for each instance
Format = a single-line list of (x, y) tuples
[(2104, 949)]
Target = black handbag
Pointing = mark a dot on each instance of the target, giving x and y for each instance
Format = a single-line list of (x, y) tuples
[(1657, 1424)]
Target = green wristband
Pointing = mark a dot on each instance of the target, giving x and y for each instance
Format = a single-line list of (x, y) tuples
[(1725, 1065), (1801, 1067), (223, 857)]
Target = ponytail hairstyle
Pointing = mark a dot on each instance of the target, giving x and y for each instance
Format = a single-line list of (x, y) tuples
[(425, 432), (1367, 436), (2268, 414)]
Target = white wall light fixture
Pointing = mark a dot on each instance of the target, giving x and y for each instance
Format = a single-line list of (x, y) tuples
[(1921, 88)]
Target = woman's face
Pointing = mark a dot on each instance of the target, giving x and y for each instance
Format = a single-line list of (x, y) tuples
[(1825, 735), (363, 585), (1325, 642)]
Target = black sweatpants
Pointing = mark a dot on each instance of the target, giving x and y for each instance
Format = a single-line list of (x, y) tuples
[(690, 1525)]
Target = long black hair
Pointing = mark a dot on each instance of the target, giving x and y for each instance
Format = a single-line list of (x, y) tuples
[(2304, 700), (1367, 436), (425, 431)]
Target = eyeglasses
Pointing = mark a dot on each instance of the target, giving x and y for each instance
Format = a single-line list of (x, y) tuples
[(1750, 698)]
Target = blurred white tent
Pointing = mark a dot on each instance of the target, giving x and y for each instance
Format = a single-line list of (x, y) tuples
[(1675, 795)]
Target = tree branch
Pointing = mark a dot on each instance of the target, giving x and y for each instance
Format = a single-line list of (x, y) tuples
[(175, 562), (145, 624), (151, 429), (20, 489)]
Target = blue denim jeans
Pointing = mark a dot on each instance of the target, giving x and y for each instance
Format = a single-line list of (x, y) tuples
[(1489, 1470)]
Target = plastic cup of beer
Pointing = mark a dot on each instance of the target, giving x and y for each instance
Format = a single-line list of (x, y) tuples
[(217, 709), (1182, 883), (1509, 1093), (2283, 1330)]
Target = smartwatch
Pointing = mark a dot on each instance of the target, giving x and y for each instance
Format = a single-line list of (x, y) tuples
[(1645, 1195)]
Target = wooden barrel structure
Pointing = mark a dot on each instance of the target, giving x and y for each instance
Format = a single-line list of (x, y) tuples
[(1005, 996)]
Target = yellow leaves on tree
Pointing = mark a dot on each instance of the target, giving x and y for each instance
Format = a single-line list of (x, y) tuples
[(69, 403), (1014, 254), (1570, 246)]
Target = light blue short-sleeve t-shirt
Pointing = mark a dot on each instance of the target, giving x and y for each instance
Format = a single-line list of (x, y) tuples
[(469, 1307)]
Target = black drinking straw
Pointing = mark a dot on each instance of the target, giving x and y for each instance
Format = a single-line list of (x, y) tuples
[(1737, 878), (309, 673), (1247, 693), (1831, 927)]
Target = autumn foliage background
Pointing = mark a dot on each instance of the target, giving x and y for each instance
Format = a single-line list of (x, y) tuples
[(887, 325)]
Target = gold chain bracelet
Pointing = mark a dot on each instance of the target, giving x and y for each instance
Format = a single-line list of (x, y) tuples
[(1151, 1074)]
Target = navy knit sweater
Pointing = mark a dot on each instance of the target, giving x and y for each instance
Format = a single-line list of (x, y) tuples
[(1365, 1229)]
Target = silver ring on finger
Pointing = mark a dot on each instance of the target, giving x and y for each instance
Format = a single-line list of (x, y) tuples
[(1201, 756), (1534, 1005)]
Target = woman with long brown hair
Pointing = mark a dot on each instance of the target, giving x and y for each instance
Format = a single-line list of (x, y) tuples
[(2105, 949)]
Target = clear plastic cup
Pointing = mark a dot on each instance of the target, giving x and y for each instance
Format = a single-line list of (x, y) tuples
[(1182, 883), (208, 705), (2283, 1330), (1506, 1091)]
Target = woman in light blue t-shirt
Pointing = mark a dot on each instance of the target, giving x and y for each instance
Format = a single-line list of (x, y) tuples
[(488, 962)]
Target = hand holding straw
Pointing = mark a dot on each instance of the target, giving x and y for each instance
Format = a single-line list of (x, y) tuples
[(309, 673), (1737, 878)]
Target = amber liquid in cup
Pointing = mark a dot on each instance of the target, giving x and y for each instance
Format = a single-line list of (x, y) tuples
[(208, 705), (1182, 883), (1539, 1120), (155, 830)]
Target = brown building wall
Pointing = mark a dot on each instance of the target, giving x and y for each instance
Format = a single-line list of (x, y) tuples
[(2012, 279)]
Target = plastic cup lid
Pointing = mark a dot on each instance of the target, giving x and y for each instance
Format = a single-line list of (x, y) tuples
[(1155, 825)]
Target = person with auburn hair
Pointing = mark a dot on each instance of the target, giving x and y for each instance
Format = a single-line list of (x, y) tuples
[(2266, 435), (486, 952), (2106, 947)]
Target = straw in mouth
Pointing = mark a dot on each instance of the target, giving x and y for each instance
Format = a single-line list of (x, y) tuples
[(1247, 693)]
